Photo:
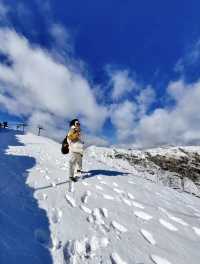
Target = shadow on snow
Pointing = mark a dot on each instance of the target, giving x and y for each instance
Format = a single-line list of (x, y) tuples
[(89, 174), (93, 173), (24, 227)]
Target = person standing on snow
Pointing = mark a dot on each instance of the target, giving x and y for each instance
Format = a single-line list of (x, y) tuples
[(75, 149)]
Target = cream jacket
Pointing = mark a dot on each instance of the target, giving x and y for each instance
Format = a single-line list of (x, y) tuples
[(75, 142)]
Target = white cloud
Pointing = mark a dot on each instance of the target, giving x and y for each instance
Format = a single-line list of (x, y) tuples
[(48, 92), (122, 117), (121, 83), (37, 85), (194, 53), (95, 140), (145, 99), (153, 130), (190, 59), (179, 125), (125, 115), (61, 37)]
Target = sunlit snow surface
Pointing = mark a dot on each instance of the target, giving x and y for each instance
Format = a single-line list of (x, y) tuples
[(110, 216)]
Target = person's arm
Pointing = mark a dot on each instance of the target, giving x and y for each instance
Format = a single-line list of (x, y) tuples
[(73, 135)]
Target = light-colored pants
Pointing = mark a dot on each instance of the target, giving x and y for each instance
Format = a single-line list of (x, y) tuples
[(75, 162)]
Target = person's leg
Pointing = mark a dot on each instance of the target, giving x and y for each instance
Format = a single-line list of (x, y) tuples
[(72, 163), (79, 162), (78, 165)]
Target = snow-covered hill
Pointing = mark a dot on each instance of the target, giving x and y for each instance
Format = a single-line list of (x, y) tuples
[(113, 215), (176, 167)]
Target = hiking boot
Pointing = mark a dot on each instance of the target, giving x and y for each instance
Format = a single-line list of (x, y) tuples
[(74, 179)]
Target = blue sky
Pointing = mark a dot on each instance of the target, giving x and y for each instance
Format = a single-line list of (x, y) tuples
[(133, 64)]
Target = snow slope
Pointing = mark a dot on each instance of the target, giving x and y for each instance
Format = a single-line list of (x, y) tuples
[(111, 215), (176, 167)]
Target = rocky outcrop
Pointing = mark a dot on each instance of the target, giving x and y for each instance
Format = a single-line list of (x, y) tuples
[(175, 167)]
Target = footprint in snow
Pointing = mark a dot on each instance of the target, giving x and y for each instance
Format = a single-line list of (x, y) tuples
[(116, 259), (99, 187), (56, 215), (108, 197), (173, 218), (84, 198), (115, 184), (167, 225), (99, 178), (70, 200), (131, 182), (130, 196), (143, 215), (196, 230), (104, 212), (148, 236), (178, 220), (118, 191), (70, 251), (104, 242), (81, 250), (103, 182), (85, 183), (64, 168), (138, 205), (163, 210), (89, 218), (126, 201), (118, 227), (159, 194), (194, 208), (56, 243), (197, 214), (99, 211), (96, 217), (158, 260), (86, 209)]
